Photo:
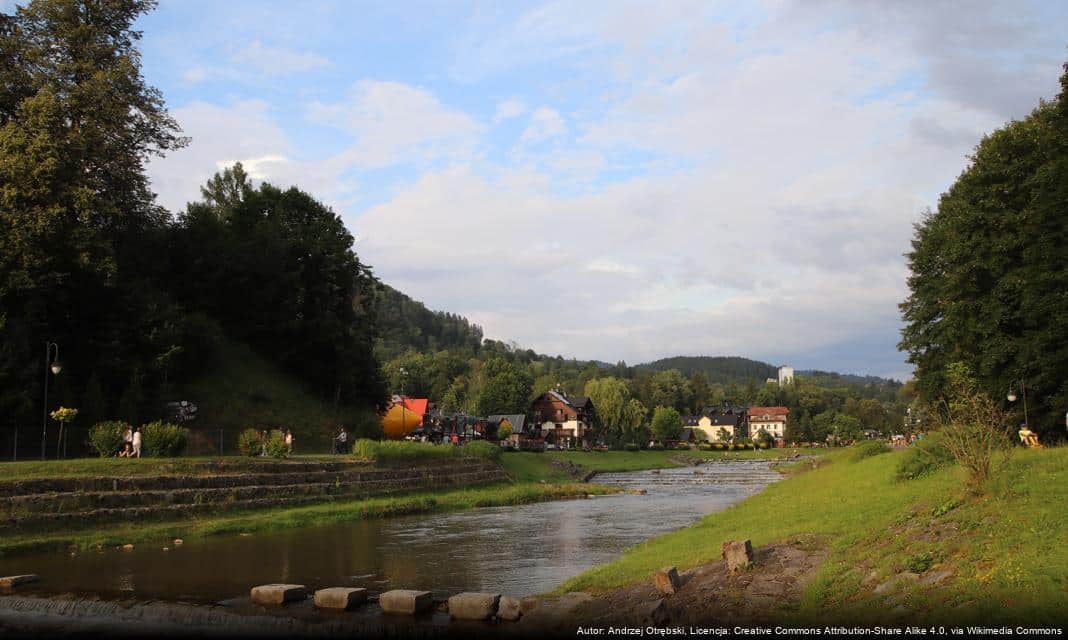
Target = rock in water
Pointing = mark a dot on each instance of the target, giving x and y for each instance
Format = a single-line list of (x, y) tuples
[(738, 554), (509, 608), (405, 601), (667, 580), (474, 606), (278, 593), (340, 597)]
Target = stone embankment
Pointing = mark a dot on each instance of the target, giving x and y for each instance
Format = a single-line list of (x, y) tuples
[(59, 502)]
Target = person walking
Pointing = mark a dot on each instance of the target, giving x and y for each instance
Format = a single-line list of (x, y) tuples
[(343, 441), (264, 438), (136, 442), (289, 442), (127, 437)]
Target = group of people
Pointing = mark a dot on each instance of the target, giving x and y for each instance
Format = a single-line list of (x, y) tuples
[(131, 443)]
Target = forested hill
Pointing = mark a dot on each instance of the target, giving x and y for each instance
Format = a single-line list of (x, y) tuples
[(404, 324), (716, 369)]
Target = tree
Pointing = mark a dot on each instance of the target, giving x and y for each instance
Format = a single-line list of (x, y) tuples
[(506, 388), (988, 268), (77, 125), (634, 429), (671, 389), (611, 397), (667, 423)]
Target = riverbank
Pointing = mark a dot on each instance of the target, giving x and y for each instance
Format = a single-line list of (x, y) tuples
[(320, 514), (535, 477), (890, 551)]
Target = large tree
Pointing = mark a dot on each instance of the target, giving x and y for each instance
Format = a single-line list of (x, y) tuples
[(989, 281), (77, 125)]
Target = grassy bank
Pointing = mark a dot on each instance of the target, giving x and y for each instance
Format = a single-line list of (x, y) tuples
[(321, 514), (131, 467), (1005, 551)]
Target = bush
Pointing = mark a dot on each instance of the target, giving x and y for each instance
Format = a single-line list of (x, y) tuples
[(164, 440), (249, 443), (924, 456), (870, 448), (393, 452), (682, 446), (706, 446), (482, 449), (630, 446), (276, 444), (656, 447), (719, 446), (106, 437)]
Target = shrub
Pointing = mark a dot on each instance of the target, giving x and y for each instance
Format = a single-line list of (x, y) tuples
[(393, 452), (656, 447), (870, 448), (164, 440), (249, 443), (706, 446), (924, 456), (719, 446), (106, 437), (276, 444), (482, 449), (682, 446), (630, 446)]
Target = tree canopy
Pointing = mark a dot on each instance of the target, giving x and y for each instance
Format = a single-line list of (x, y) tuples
[(989, 268)]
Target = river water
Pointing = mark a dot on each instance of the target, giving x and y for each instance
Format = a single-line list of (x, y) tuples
[(520, 550)]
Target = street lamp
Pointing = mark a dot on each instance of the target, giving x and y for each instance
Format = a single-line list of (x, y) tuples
[(1023, 391), (55, 366), (403, 374)]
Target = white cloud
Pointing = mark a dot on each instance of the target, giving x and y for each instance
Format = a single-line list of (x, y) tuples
[(545, 124), (391, 122), (508, 109), (276, 61)]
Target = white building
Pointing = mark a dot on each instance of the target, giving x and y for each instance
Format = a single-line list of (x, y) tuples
[(786, 376)]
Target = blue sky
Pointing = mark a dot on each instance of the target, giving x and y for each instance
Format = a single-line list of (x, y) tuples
[(615, 180)]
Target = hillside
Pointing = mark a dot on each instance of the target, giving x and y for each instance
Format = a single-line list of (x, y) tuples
[(717, 369), (242, 389)]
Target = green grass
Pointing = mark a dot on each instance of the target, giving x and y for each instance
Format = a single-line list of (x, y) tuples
[(124, 467), (1006, 550), (321, 514)]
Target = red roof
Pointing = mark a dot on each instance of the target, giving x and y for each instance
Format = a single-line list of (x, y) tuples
[(773, 412), (415, 405)]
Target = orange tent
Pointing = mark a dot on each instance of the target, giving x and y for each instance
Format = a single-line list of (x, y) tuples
[(399, 421)]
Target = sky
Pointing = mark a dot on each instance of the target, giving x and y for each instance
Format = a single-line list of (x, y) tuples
[(615, 180)]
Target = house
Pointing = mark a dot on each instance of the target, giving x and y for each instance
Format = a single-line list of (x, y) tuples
[(714, 422), (564, 420), (521, 436), (769, 419)]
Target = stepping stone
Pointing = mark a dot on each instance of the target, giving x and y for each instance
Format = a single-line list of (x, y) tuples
[(405, 601), (473, 606), (667, 580), (278, 593), (509, 608), (340, 597), (10, 582)]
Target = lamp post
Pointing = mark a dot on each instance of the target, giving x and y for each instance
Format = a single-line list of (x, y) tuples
[(55, 367), (1011, 397), (403, 374)]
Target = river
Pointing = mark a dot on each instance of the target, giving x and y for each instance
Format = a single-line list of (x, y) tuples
[(518, 550)]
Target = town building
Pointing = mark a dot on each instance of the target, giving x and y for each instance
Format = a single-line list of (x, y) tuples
[(715, 422), (565, 421), (769, 419), (786, 376)]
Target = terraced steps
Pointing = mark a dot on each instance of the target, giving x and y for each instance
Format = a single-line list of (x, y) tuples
[(76, 501)]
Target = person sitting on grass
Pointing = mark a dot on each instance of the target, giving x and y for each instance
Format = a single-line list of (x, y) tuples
[(127, 450)]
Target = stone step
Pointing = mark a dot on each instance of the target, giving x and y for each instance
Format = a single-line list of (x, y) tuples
[(351, 472), (81, 501), (46, 521)]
